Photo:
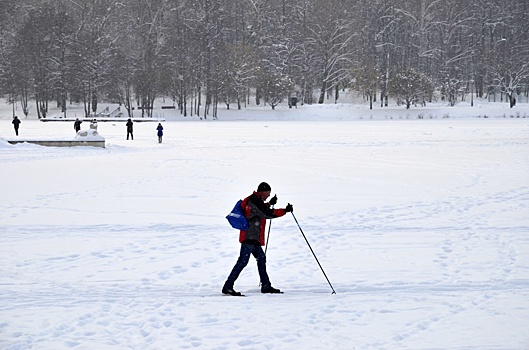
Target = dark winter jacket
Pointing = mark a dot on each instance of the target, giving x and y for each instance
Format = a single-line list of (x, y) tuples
[(77, 125), (129, 125), (160, 130), (257, 211), (16, 122)]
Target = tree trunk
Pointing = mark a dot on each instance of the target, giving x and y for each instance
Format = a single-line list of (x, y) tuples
[(24, 102), (512, 100), (258, 96), (42, 106), (322, 92), (94, 102), (38, 109)]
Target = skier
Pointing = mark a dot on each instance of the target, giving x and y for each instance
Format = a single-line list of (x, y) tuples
[(129, 129), (16, 123), (160, 132), (77, 125), (256, 210)]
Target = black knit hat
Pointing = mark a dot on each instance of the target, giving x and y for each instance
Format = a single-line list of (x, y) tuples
[(263, 187)]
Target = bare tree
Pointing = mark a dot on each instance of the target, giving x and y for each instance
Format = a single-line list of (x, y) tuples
[(329, 37), (34, 49), (202, 52), (95, 49), (239, 73)]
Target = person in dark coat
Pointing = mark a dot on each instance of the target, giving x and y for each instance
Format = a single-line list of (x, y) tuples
[(129, 129), (77, 125), (160, 132), (16, 123), (256, 211)]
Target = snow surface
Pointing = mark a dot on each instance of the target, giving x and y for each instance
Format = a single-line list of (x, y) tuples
[(422, 226), (88, 135)]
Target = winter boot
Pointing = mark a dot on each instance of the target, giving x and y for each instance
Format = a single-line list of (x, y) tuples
[(230, 291), (268, 289)]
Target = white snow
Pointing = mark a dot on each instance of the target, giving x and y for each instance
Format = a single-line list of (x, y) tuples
[(421, 225), (89, 135)]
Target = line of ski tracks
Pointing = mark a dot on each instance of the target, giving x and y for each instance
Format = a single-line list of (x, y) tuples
[(157, 308), (38, 294)]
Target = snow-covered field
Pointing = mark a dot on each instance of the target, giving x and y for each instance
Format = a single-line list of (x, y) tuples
[(422, 226)]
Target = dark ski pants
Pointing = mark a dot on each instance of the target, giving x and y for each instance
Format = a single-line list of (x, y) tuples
[(244, 257)]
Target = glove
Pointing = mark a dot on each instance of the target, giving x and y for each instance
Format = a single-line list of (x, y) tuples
[(273, 201), (289, 208)]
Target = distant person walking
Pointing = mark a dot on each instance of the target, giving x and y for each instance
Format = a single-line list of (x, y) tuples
[(129, 129), (16, 123), (77, 125), (160, 132)]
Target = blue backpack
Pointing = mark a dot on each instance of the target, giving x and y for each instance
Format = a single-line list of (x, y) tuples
[(236, 217)]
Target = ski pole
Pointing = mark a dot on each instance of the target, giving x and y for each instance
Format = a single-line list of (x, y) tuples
[(268, 236), (306, 240)]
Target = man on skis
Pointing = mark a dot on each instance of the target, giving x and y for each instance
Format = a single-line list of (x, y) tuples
[(256, 211)]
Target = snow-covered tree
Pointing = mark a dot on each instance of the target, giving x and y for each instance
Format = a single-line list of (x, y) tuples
[(411, 86), (198, 52), (329, 39), (239, 72), (275, 88), (33, 57), (94, 49)]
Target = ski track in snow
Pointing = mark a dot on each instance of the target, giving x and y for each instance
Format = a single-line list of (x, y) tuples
[(425, 252)]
